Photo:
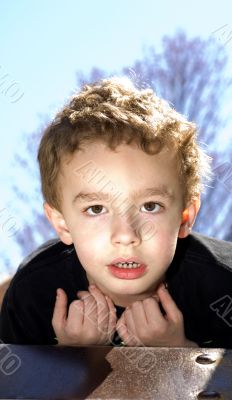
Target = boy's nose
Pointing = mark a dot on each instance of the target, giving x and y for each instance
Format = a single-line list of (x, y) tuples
[(125, 232)]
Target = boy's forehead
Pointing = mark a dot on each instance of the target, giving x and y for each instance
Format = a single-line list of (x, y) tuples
[(97, 173), (99, 148), (125, 158)]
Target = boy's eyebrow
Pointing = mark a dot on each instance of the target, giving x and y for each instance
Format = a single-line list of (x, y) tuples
[(161, 191)]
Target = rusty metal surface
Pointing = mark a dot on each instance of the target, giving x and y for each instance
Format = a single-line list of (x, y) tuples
[(163, 373), (138, 373)]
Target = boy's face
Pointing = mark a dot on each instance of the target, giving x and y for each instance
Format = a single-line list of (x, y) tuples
[(146, 227)]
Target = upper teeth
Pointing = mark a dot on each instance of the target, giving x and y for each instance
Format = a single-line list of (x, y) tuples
[(128, 265)]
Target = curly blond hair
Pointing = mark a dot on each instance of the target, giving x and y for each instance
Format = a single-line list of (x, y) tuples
[(114, 111)]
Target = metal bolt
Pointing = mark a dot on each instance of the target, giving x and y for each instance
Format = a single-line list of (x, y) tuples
[(205, 359), (209, 395)]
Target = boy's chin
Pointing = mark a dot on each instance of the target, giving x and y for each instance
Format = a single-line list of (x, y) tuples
[(128, 299)]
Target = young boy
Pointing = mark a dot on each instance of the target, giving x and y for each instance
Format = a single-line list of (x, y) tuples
[(121, 176)]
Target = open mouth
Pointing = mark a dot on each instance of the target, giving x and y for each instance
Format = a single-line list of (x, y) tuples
[(127, 270)]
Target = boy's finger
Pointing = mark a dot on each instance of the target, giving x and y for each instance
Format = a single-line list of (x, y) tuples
[(112, 317), (126, 335), (102, 307), (172, 311), (83, 294), (90, 312), (60, 310), (122, 328), (129, 321), (75, 315), (153, 313), (139, 315)]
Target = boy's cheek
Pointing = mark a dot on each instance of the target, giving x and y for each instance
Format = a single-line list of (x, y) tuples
[(89, 250), (84, 239)]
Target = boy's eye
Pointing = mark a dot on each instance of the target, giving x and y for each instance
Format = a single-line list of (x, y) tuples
[(152, 205), (96, 209)]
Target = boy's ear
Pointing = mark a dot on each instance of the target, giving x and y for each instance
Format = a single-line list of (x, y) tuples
[(188, 217), (58, 222)]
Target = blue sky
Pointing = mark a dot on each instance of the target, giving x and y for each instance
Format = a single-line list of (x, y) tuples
[(44, 43)]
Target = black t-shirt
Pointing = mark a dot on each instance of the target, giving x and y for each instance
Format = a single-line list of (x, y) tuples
[(199, 281)]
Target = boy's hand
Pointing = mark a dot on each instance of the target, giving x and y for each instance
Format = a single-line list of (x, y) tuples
[(143, 324), (89, 321)]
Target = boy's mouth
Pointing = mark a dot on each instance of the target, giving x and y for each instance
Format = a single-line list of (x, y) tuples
[(129, 265), (127, 268)]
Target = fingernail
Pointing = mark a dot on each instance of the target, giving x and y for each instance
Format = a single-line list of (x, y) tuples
[(57, 292), (92, 286), (164, 286), (78, 304), (83, 295), (155, 297)]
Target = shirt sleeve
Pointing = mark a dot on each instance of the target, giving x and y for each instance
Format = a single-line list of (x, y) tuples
[(23, 318)]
